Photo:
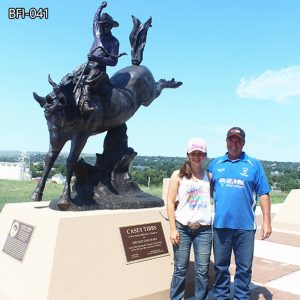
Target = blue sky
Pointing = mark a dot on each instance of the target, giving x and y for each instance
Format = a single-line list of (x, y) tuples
[(239, 62)]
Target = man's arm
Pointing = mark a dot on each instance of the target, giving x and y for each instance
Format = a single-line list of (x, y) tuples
[(211, 185), (266, 228), (111, 59), (107, 58), (95, 20), (97, 17)]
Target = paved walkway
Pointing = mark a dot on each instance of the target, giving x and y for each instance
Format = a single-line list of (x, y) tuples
[(276, 268), (276, 264)]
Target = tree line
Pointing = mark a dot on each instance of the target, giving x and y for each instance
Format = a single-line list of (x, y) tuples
[(150, 170)]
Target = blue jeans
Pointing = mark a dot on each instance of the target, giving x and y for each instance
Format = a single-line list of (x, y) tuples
[(201, 239), (241, 242)]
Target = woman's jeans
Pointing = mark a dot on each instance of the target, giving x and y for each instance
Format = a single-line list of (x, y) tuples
[(201, 239), (241, 242)]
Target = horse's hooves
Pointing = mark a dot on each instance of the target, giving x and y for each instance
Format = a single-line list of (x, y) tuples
[(63, 204), (173, 84), (177, 84), (37, 197)]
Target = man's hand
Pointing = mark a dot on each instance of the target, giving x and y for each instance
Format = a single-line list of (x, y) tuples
[(265, 231), (103, 4)]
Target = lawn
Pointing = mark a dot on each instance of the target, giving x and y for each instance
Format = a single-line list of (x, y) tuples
[(13, 191)]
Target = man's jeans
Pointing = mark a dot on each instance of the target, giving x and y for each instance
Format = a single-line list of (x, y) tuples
[(201, 239), (242, 244)]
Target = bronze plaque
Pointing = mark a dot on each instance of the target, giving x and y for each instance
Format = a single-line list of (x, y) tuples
[(18, 239), (143, 241)]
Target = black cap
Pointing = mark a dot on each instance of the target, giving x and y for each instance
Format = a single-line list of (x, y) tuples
[(237, 131)]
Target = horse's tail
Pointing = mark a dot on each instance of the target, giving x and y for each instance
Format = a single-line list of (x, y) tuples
[(137, 39)]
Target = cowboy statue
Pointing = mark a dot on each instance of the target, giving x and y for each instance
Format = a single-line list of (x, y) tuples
[(87, 102), (104, 52)]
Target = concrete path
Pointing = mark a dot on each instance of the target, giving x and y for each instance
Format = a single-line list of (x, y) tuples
[(276, 265)]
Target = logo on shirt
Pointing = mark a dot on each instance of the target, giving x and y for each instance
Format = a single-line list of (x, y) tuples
[(221, 170), (232, 182), (197, 196), (245, 172), (222, 181)]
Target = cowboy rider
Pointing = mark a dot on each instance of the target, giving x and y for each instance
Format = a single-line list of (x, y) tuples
[(104, 52)]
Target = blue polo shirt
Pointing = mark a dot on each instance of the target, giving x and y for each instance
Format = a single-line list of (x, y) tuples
[(237, 185)]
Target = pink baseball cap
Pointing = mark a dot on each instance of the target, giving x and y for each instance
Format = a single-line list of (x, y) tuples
[(196, 144)]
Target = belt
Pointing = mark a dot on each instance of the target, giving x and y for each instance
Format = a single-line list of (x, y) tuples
[(196, 225)]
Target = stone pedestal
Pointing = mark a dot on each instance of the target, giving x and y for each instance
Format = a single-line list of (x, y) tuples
[(287, 217), (79, 255)]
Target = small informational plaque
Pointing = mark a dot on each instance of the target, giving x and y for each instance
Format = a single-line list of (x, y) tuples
[(143, 241), (18, 239)]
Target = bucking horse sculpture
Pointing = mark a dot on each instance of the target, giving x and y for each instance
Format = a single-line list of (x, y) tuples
[(107, 184)]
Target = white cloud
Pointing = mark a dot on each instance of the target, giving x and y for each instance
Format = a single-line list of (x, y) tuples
[(275, 85)]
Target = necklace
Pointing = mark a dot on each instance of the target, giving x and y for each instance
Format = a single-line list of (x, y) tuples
[(197, 177), (197, 173)]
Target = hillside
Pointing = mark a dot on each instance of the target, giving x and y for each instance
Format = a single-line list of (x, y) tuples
[(146, 170)]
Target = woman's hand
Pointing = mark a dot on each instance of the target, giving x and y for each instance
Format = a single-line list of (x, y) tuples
[(174, 237)]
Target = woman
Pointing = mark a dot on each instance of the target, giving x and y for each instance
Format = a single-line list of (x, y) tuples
[(190, 221)]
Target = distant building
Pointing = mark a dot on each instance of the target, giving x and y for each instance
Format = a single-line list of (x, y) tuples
[(16, 170), (58, 178), (141, 168), (275, 173)]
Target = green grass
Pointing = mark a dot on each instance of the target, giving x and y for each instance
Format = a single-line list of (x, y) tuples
[(155, 190), (13, 191), (278, 197)]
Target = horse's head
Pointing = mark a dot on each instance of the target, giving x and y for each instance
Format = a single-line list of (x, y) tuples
[(54, 103)]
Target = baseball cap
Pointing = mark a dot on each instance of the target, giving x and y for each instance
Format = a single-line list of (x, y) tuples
[(237, 131), (196, 144)]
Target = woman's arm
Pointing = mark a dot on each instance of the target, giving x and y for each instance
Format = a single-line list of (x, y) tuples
[(171, 198)]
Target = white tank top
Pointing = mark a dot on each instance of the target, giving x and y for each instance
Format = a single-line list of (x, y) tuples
[(194, 201)]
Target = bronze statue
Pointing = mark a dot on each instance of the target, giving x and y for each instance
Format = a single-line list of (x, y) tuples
[(114, 101), (104, 52)]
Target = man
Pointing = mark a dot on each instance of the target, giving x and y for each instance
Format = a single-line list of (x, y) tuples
[(237, 181), (104, 52)]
